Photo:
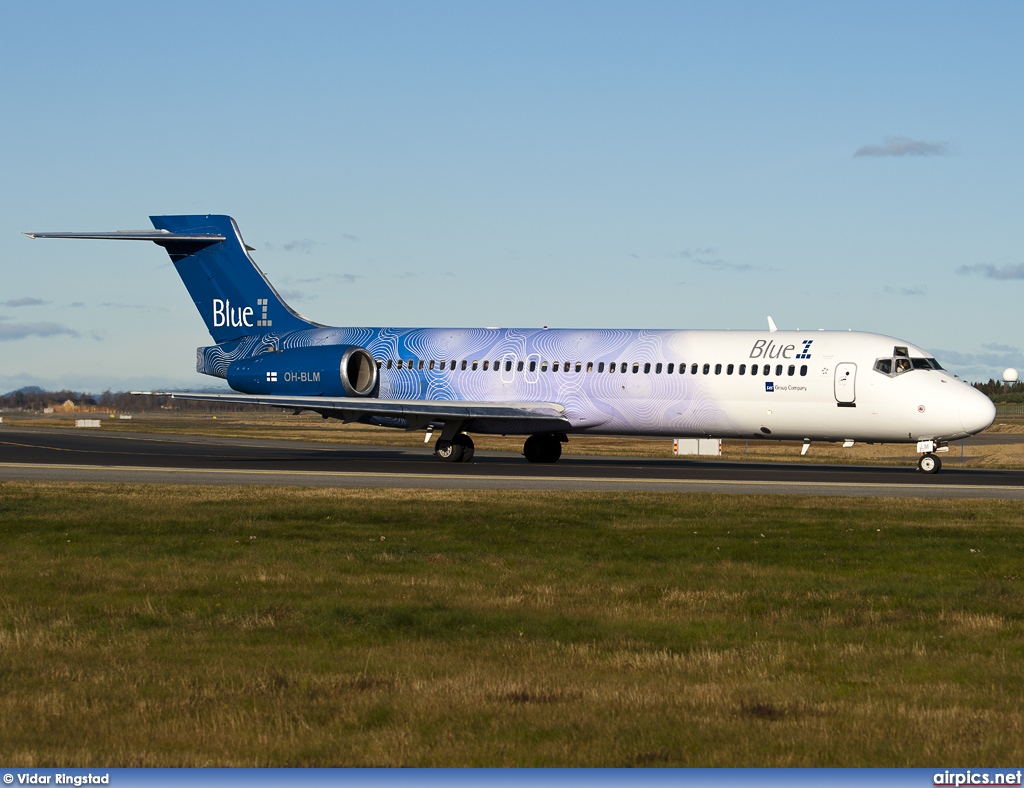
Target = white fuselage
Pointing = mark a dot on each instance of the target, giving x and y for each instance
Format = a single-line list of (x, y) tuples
[(817, 385)]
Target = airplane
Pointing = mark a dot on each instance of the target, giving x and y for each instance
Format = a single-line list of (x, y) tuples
[(547, 384)]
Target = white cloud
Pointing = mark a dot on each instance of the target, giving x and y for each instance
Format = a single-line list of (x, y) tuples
[(10, 332), (904, 146), (990, 271)]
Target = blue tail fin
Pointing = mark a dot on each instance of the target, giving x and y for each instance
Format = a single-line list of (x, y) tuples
[(228, 288)]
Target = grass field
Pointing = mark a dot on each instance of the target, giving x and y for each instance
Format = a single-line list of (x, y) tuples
[(152, 625)]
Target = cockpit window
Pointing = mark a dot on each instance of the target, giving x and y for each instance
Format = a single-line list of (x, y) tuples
[(900, 351), (898, 365)]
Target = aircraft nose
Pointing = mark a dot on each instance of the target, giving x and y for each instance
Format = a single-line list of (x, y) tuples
[(976, 411)]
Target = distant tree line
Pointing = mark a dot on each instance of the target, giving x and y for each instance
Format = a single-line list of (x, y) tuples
[(1002, 393), (120, 401)]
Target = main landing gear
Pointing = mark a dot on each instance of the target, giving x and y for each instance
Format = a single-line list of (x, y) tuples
[(458, 449), (543, 448)]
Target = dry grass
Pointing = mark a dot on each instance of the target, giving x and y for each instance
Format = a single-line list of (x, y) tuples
[(147, 625)]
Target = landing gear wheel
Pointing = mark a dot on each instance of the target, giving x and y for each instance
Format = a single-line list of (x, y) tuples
[(466, 443), (929, 463), (542, 448), (448, 451)]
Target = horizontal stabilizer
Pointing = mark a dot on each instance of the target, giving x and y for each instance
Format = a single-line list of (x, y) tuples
[(157, 236)]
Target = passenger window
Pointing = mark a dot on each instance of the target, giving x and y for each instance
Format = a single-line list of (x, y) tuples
[(636, 367), (554, 367), (657, 369), (622, 368), (579, 366), (487, 365), (508, 366), (611, 367), (410, 364), (670, 368), (718, 369), (566, 366), (463, 365), (707, 368), (647, 368), (729, 369), (600, 366), (543, 366), (519, 366), (693, 369), (476, 366), (451, 365), (778, 369), (431, 364), (590, 366), (533, 366), (791, 371), (803, 370), (380, 363), (743, 369), (388, 365), (420, 365)]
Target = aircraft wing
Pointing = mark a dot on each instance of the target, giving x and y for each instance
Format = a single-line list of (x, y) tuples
[(510, 417)]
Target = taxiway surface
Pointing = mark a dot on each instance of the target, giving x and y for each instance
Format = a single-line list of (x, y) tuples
[(76, 455)]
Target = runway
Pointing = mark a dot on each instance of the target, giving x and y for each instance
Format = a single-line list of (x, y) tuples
[(69, 455)]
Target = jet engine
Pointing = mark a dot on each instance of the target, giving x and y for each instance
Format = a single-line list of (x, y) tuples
[(324, 370)]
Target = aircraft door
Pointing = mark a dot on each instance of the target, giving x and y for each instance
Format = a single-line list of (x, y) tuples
[(846, 378)]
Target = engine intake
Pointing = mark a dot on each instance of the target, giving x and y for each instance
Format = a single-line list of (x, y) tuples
[(325, 370)]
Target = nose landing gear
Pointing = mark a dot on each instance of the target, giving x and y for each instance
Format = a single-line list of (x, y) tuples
[(929, 463)]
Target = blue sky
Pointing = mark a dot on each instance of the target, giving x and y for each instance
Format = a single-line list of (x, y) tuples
[(676, 165)]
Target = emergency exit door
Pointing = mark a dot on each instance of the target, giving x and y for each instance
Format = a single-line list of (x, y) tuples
[(846, 383)]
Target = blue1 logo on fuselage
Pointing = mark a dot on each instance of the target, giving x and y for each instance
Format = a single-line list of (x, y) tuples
[(766, 348)]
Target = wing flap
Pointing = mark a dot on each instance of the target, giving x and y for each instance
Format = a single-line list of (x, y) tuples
[(549, 414)]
